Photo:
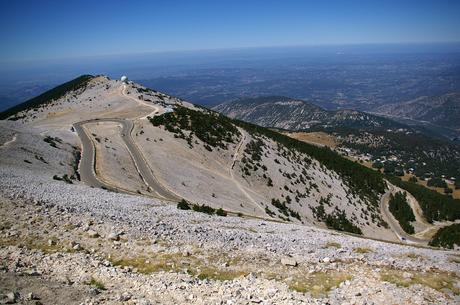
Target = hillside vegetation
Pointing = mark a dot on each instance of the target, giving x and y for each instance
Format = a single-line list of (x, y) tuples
[(415, 152), (215, 129), (447, 237), (402, 211), (47, 97), (286, 195), (212, 128), (364, 182), (435, 206)]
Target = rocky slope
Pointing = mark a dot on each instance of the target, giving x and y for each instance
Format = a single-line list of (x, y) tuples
[(197, 155), (292, 114), (64, 242)]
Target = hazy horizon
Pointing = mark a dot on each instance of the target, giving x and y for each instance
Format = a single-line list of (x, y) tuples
[(175, 72), (165, 44), (44, 30)]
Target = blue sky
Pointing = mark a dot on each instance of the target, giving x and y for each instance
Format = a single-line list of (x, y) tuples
[(36, 30)]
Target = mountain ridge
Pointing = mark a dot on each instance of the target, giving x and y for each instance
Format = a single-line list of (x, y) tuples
[(247, 170), (295, 114), (442, 110), (138, 136)]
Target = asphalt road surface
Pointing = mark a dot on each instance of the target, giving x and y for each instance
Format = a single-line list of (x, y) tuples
[(88, 160), (393, 223)]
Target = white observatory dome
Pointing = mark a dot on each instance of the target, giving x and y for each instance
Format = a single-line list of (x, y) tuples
[(124, 78)]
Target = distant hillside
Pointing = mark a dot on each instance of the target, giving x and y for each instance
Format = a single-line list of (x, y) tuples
[(294, 114), (443, 110), (47, 97)]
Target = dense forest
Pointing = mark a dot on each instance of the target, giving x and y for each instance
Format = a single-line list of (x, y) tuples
[(435, 206), (402, 211), (447, 237), (421, 154)]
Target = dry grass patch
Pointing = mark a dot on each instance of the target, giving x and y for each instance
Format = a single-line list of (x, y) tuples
[(414, 256), (197, 266), (96, 284), (30, 243), (318, 284), (37, 220), (147, 264), (217, 274), (436, 280), (362, 250), (333, 244), (69, 227), (144, 242), (223, 267), (5, 225)]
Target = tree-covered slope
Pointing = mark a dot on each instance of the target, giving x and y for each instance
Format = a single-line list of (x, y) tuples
[(402, 211), (447, 237), (435, 206)]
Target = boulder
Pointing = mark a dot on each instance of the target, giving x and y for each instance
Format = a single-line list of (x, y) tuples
[(12, 297), (113, 236), (289, 261), (92, 234)]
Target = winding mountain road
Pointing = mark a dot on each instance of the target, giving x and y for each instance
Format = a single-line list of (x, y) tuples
[(87, 166), (394, 224)]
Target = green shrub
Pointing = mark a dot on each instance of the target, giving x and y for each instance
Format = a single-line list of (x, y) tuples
[(52, 141), (96, 284), (221, 212), (203, 209), (336, 220), (64, 178), (183, 205)]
